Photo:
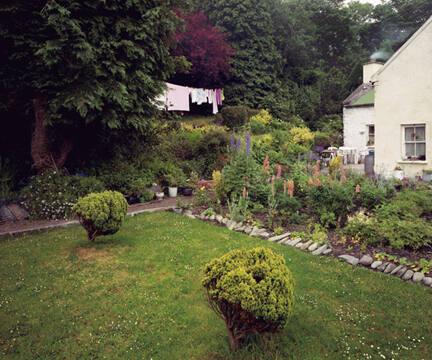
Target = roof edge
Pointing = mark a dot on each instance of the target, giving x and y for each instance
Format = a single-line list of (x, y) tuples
[(402, 48)]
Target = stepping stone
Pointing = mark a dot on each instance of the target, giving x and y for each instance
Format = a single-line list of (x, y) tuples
[(349, 259), (201, 216), (320, 250), (418, 277), (219, 218), (375, 264), (427, 281), (305, 245), (284, 240), (327, 251), (224, 221), (254, 231), (313, 247), (366, 260), (408, 275), (248, 230), (390, 267), (294, 242), (187, 212), (394, 271), (382, 266), (264, 235), (191, 216), (300, 244), (212, 218), (401, 271), (230, 224), (241, 228), (279, 237)]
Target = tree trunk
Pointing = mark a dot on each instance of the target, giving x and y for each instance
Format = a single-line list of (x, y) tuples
[(39, 143), (233, 342), (43, 158)]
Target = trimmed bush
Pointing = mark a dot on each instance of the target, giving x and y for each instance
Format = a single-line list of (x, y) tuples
[(234, 117), (102, 213), (251, 290)]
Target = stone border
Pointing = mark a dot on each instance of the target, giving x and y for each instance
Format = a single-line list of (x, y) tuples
[(318, 249)]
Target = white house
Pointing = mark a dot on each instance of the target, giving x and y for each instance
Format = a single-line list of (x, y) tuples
[(403, 107), (359, 113)]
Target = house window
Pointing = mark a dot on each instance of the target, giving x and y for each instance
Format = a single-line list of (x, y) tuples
[(371, 135), (414, 145)]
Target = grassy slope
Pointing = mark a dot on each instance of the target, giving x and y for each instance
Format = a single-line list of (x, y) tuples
[(137, 295)]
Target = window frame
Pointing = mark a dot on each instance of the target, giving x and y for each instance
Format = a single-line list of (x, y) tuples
[(415, 142)]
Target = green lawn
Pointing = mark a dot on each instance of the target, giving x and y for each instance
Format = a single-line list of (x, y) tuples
[(137, 295)]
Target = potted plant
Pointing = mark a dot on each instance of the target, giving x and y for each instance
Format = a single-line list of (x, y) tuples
[(427, 175), (174, 179), (190, 184), (398, 173)]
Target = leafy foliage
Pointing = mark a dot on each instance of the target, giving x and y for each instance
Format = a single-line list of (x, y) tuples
[(102, 213), (251, 290), (52, 194), (205, 47)]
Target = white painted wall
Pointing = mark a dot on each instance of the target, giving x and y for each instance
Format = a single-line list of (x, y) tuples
[(355, 127), (403, 95)]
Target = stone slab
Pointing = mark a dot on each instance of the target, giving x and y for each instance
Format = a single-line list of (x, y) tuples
[(418, 277), (408, 275), (349, 259), (375, 264), (279, 237), (366, 260), (320, 250), (313, 247)]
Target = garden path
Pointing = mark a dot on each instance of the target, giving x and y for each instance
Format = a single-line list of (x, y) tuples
[(13, 228)]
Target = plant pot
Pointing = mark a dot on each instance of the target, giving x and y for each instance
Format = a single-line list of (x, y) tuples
[(187, 191), (160, 195), (172, 191), (398, 174), (178, 210), (427, 177)]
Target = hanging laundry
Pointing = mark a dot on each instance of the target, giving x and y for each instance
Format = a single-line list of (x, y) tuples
[(210, 96), (177, 97), (218, 96), (215, 105), (194, 95), (222, 96), (201, 96)]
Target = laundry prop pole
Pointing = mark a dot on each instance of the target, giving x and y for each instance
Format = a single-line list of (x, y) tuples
[(176, 97)]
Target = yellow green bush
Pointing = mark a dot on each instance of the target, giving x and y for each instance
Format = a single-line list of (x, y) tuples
[(251, 290), (302, 136), (101, 213)]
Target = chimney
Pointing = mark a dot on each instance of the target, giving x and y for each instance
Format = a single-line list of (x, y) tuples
[(370, 69)]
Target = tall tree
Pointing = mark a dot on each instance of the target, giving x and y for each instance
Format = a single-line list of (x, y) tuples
[(205, 47), (79, 62), (256, 61)]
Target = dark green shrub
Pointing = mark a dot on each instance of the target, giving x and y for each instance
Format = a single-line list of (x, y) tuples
[(244, 171), (147, 195), (102, 213), (119, 175), (325, 199), (234, 117), (251, 290), (370, 196), (212, 147), (52, 194)]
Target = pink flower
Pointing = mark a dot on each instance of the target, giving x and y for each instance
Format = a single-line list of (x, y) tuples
[(357, 188), (244, 192), (291, 188), (279, 171)]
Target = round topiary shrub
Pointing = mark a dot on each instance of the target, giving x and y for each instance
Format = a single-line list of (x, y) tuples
[(101, 213), (251, 290)]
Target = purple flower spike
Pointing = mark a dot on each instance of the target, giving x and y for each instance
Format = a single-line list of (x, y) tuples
[(233, 139), (247, 144), (238, 144)]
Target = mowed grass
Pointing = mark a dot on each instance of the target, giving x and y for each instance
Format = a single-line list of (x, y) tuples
[(138, 295)]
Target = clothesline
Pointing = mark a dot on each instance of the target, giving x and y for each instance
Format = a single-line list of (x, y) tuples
[(176, 98)]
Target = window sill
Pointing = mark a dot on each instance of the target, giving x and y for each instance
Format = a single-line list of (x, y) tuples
[(419, 162)]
